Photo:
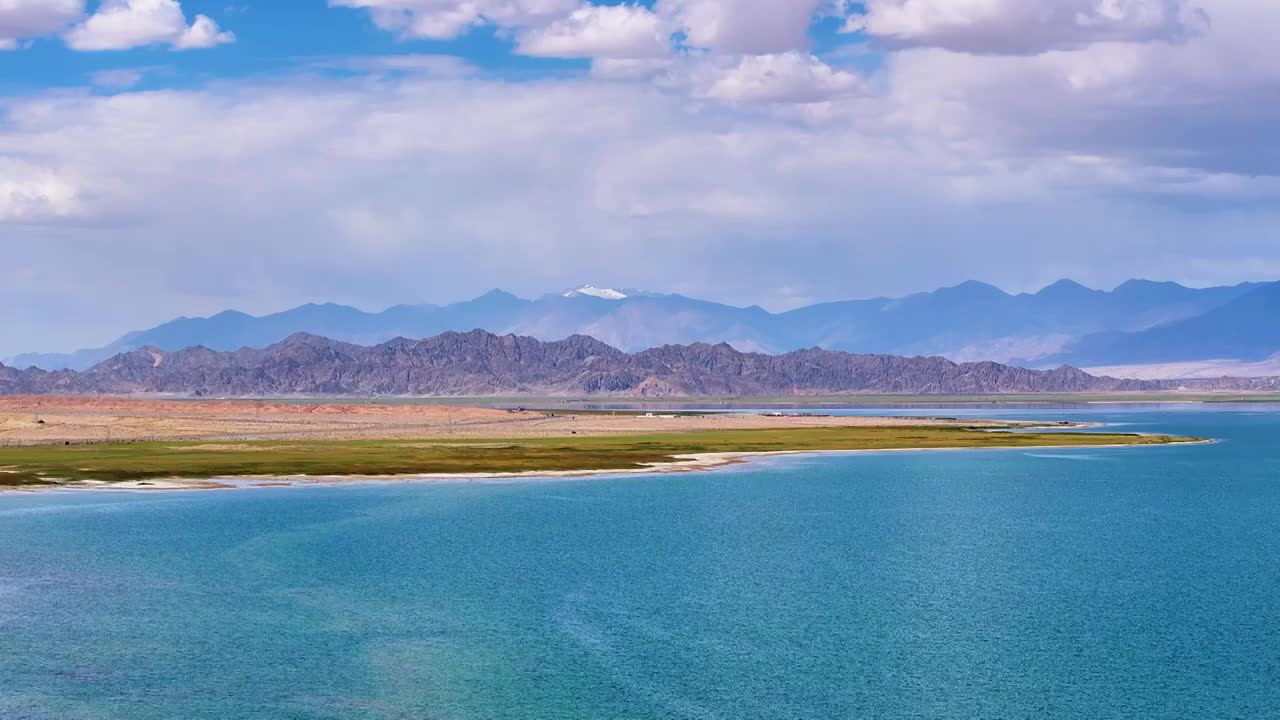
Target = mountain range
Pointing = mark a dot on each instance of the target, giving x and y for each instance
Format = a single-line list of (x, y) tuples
[(1138, 323), (480, 363)]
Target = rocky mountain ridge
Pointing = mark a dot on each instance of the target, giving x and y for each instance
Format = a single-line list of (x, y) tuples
[(480, 363)]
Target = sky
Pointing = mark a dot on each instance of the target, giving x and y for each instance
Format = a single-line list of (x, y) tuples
[(180, 157)]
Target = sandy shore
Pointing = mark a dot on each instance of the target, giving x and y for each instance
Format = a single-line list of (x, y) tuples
[(53, 420)]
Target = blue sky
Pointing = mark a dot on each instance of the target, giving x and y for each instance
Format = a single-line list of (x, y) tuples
[(316, 31), (169, 157)]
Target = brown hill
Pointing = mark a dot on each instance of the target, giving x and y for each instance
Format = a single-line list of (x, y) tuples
[(480, 363)]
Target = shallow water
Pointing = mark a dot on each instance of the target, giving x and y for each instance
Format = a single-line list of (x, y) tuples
[(1092, 583)]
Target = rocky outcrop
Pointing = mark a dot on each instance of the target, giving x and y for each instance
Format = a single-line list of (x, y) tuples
[(34, 381), (480, 363)]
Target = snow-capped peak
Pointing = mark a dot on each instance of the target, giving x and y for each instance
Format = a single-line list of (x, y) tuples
[(593, 291)]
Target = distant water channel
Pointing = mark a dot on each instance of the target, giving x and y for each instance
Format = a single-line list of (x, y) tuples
[(1092, 583)]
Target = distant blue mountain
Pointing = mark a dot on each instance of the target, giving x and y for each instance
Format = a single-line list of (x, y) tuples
[(975, 321), (1066, 321), (1246, 328)]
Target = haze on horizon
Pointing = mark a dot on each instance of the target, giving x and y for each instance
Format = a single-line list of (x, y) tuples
[(162, 158)]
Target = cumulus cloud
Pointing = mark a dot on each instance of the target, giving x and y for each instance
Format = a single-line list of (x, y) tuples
[(29, 193), (600, 31), (203, 33), (778, 78), (743, 26), (125, 24), (1025, 26), (34, 18)]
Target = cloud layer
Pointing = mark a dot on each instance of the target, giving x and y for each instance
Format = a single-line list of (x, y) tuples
[(751, 170), (1025, 26)]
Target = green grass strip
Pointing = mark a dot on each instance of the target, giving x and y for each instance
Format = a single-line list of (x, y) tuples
[(42, 465)]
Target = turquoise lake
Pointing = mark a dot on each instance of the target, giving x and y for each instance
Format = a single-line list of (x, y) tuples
[(1105, 583)]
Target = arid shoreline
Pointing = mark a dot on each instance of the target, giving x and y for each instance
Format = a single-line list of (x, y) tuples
[(37, 420), (54, 443)]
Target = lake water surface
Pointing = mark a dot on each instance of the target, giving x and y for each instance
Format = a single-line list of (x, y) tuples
[(1102, 583)]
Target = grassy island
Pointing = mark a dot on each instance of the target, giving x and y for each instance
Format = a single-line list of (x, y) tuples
[(46, 465)]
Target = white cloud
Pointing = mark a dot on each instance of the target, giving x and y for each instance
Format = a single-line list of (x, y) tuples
[(1025, 26), (567, 26), (440, 21), (35, 18), (1187, 105), (743, 26), (629, 69), (125, 24), (779, 78), (446, 19), (29, 193), (203, 33), (600, 31), (1120, 159)]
